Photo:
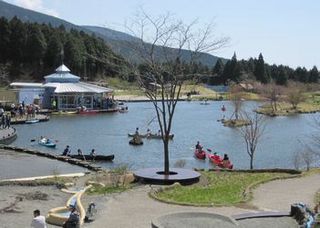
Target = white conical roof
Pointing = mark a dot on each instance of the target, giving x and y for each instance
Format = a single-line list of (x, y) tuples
[(63, 68)]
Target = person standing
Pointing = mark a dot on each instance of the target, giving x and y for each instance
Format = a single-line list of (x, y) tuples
[(223, 109), (74, 218), (38, 221), (66, 151)]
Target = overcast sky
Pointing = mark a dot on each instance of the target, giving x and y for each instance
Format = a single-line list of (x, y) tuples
[(284, 31)]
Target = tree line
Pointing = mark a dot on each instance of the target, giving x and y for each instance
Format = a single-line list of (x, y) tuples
[(34, 50), (256, 69)]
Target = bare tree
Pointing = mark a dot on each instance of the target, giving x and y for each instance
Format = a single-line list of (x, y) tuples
[(252, 134), (294, 94), (164, 74), (273, 93), (236, 99)]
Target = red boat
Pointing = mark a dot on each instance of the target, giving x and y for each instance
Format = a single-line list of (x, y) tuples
[(218, 161), (200, 154)]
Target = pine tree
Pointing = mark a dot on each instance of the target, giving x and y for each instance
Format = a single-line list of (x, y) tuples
[(259, 70), (314, 75), (4, 40)]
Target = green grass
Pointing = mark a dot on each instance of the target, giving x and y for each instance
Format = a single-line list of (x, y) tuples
[(221, 188), (102, 190)]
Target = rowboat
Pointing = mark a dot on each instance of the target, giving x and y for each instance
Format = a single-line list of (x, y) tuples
[(218, 161), (93, 158), (200, 154), (151, 136), (32, 121), (47, 144), (136, 142)]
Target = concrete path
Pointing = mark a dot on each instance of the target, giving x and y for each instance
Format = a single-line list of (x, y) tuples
[(135, 208), (280, 194)]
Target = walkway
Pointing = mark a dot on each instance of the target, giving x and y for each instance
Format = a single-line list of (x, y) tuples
[(135, 208), (280, 194)]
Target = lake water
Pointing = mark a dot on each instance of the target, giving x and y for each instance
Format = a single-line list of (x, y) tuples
[(107, 133)]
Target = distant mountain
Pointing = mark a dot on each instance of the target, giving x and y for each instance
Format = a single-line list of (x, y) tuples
[(118, 41)]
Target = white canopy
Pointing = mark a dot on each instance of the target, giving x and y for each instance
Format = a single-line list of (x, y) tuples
[(79, 87)]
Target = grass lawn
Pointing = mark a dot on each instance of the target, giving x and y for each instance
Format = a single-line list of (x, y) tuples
[(286, 109), (216, 188)]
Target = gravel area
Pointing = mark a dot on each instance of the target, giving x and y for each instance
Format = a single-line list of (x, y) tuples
[(22, 213)]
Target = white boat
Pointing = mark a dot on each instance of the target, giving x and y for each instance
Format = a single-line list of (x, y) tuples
[(32, 121)]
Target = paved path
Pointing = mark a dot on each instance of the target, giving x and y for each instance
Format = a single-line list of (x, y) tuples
[(280, 194), (135, 208)]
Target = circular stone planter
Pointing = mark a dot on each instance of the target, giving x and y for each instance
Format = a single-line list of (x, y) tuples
[(194, 220), (157, 176)]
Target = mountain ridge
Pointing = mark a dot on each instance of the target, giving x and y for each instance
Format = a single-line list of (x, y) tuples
[(118, 41)]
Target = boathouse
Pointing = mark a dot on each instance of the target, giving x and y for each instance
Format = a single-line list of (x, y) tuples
[(64, 91)]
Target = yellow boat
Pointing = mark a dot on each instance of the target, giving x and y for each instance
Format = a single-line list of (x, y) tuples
[(64, 113)]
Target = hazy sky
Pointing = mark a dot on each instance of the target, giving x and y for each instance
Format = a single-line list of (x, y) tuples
[(285, 31)]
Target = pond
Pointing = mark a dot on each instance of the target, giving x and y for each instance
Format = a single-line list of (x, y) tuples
[(107, 133)]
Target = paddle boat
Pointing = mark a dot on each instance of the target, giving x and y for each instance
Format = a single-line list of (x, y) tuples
[(32, 121), (218, 161), (150, 136), (200, 154), (47, 143), (93, 158)]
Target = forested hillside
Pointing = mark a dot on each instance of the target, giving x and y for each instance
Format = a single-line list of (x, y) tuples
[(257, 69), (31, 50)]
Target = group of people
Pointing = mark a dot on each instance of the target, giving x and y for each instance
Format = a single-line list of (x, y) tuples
[(5, 120), (22, 109), (149, 133), (67, 152), (39, 221), (215, 155)]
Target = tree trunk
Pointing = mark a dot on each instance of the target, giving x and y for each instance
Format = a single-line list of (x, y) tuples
[(166, 155), (251, 162)]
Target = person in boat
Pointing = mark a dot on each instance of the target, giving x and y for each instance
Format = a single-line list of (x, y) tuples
[(148, 132), (93, 153), (198, 146), (66, 151), (80, 152), (226, 161), (137, 131)]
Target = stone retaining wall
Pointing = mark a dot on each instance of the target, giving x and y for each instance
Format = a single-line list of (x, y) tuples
[(72, 161)]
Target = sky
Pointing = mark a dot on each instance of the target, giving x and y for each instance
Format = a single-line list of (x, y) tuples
[(285, 31)]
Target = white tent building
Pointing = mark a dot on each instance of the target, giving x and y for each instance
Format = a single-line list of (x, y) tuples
[(64, 91)]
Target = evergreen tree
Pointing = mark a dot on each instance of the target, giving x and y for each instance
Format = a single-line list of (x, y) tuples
[(53, 53), (259, 71), (36, 45), (17, 41), (231, 70), (314, 75), (4, 40), (218, 68)]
